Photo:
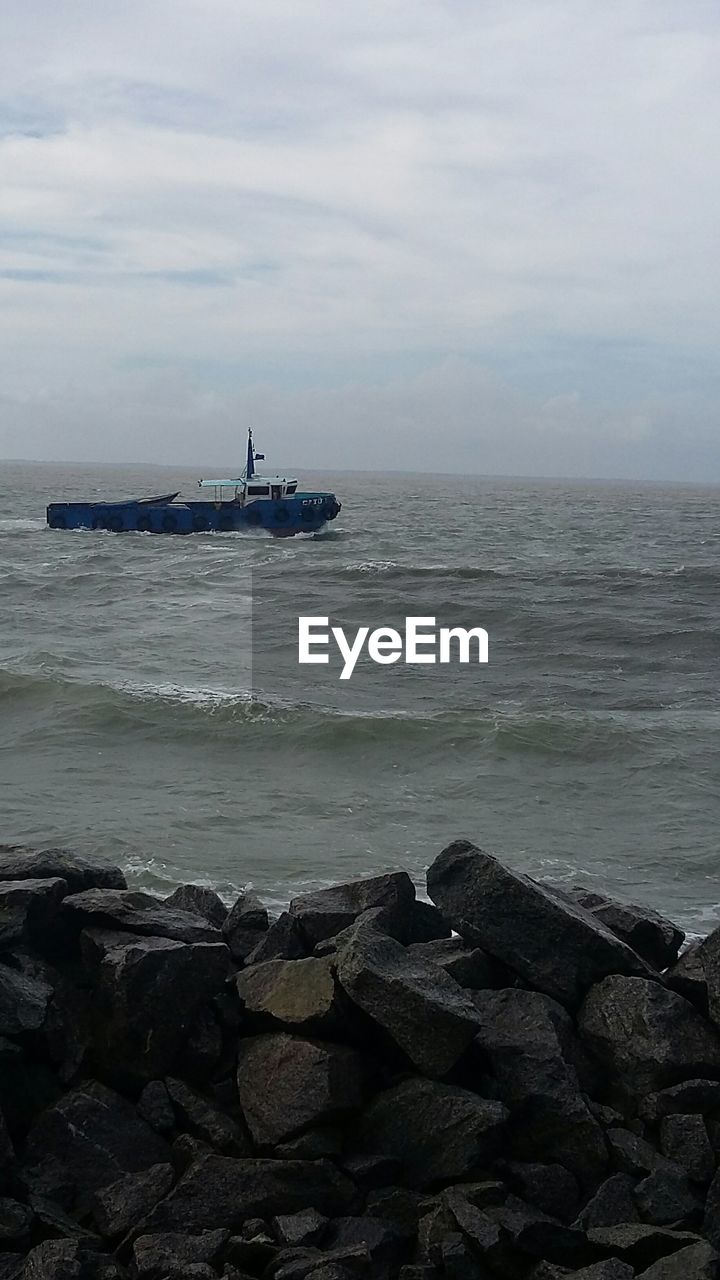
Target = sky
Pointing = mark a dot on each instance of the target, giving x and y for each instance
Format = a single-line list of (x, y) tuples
[(470, 235)]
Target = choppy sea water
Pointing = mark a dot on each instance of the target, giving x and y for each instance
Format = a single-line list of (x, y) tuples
[(587, 751)]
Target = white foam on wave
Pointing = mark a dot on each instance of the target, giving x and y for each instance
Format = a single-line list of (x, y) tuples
[(197, 696), (21, 526)]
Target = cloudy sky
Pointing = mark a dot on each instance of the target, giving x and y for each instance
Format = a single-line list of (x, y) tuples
[(471, 234)]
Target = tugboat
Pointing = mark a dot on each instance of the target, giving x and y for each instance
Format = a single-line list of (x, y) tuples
[(249, 502)]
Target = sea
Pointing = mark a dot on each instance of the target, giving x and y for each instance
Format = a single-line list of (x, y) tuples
[(150, 714)]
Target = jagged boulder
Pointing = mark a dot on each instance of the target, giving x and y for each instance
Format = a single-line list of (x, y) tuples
[(299, 995), (283, 940), (694, 1262), (28, 909), (245, 925), (24, 1001), (555, 945), (424, 1011), (162, 1253), (651, 935), (18, 862), (118, 1207), (313, 1083), (685, 1140), (131, 911), (687, 977), (469, 966), (646, 1035), (326, 912), (200, 901), (437, 1132)]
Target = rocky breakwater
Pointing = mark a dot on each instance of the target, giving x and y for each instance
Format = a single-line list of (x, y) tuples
[(505, 1082)]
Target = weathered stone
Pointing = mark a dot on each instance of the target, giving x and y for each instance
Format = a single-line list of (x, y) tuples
[(219, 1191), (427, 924), (147, 994), (612, 1204), (528, 1040), (640, 1244), (632, 1154), (155, 1255), (375, 1170), (88, 1140), (298, 994), (323, 1143), (15, 1219), (554, 945), (687, 977), (665, 1198), (136, 913), (303, 1228), (685, 1140), (24, 1002), (68, 1260), (311, 1264), (469, 966), (155, 1107), (549, 1187), (610, 1269), (424, 1011), (709, 955), (245, 925), (695, 1262), (689, 1098), (200, 901), (399, 1206), (282, 941), (52, 1216), (328, 911), (384, 1243), (313, 1083), (648, 1036), (18, 862), (27, 910), (711, 1222), (119, 1206), (205, 1120), (653, 937), (438, 1132)]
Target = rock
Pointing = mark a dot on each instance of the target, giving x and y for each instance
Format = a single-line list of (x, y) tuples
[(398, 1206), (469, 966), (282, 941), (689, 1098), (554, 945), (685, 1140), (424, 1011), (687, 977), (427, 924), (612, 1205), (155, 1107), (200, 902), (666, 1198), (296, 994), (549, 1187), (650, 935), (15, 1219), (709, 955), (438, 1132), (311, 1264), (384, 1243), (205, 1120), (695, 1262), (638, 1244), (88, 1140), (528, 1040), (154, 1255), (68, 1260), (313, 1083), (632, 1154), (24, 1002), (219, 1191), (648, 1036), (327, 912), (17, 862), (27, 910), (611, 1269), (148, 992), (303, 1228), (119, 1206), (245, 925), (130, 911), (711, 1222)]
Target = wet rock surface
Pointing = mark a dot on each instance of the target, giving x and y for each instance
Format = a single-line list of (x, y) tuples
[(508, 1083)]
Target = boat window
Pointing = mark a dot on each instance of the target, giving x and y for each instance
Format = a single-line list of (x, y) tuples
[(291, 488), (258, 491)]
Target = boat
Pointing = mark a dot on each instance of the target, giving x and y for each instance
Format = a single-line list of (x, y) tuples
[(250, 502)]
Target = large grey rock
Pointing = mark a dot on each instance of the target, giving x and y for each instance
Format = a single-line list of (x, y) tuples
[(691, 1097), (245, 925), (640, 1244), (137, 913), (157, 1255), (529, 1042), (18, 862), (649, 934), (709, 956), (687, 977), (205, 1120), (424, 1011), (553, 944), (612, 1205), (88, 1140), (283, 940), (326, 912), (299, 995), (667, 1199), (219, 1191), (28, 909), (311, 1083), (694, 1262), (468, 966), (646, 1035), (122, 1204), (67, 1260), (549, 1187), (24, 1002), (685, 1140), (200, 901), (148, 992), (610, 1269), (711, 1221), (438, 1132)]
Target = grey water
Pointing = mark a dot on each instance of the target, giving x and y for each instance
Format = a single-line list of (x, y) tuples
[(586, 751)]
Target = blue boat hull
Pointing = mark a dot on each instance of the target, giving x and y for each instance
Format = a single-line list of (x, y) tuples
[(303, 513)]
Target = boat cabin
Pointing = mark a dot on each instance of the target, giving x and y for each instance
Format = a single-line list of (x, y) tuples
[(243, 490)]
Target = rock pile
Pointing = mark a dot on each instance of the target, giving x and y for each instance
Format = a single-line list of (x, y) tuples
[(506, 1082)]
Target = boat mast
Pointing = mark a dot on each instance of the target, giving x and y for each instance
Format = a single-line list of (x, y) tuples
[(250, 468)]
